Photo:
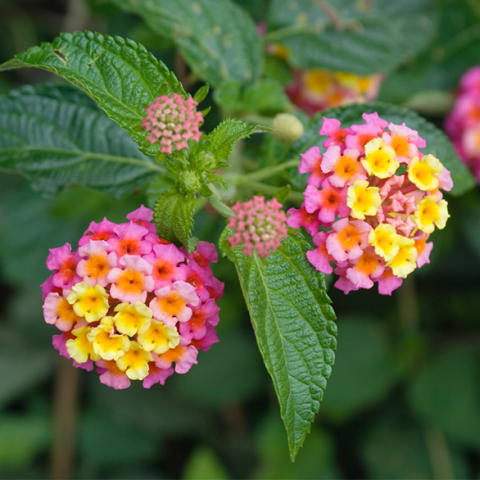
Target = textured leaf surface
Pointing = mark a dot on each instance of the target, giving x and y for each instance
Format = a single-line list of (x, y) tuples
[(295, 329), (363, 37), (173, 215), (437, 141), (119, 74), (227, 133), (217, 38), (55, 136)]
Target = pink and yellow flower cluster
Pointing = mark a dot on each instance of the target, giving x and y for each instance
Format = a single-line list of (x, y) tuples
[(463, 123), (377, 199), (131, 304), (316, 90)]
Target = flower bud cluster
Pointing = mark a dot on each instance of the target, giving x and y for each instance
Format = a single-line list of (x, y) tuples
[(130, 304), (258, 225), (172, 121), (377, 198)]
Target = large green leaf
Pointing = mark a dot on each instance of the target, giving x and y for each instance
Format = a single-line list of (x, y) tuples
[(295, 328), (437, 142), (119, 74), (56, 137), (217, 38), (361, 37)]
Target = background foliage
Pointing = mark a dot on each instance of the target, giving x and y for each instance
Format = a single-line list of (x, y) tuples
[(403, 400)]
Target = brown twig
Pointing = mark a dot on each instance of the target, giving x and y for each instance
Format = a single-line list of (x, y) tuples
[(65, 408)]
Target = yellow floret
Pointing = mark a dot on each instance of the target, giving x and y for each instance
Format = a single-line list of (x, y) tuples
[(106, 343), (430, 212), (135, 362), (80, 348), (424, 173), (380, 159), (89, 302), (363, 200), (405, 261), (385, 240), (159, 338), (132, 318)]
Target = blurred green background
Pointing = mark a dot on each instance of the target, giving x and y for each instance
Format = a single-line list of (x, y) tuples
[(404, 397)]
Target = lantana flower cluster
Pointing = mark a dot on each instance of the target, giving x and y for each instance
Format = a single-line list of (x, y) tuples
[(316, 90), (258, 225), (130, 304), (376, 197), (463, 124), (172, 121)]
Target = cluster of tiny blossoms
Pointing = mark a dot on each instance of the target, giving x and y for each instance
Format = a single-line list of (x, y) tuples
[(463, 124), (377, 199), (172, 121), (131, 304), (316, 90), (258, 225)]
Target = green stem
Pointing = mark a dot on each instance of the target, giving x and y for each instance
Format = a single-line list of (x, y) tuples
[(246, 182), (269, 171)]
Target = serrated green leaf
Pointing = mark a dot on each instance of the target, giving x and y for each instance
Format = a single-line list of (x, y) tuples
[(56, 138), (173, 215), (218, 39), (437, 141), (227, 133), (359, 37), (119, 74), (295, 328)]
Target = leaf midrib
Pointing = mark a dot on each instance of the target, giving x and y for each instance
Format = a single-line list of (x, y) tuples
[(110, 158)]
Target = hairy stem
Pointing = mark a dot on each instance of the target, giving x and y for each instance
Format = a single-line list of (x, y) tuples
[(269, 171)]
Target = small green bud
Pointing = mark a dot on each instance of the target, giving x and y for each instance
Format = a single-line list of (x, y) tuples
[(189, 182), (286, 127)]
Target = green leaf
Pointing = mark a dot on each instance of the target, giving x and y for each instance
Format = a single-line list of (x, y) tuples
[(203, 464), (394, 446), (119, 74), (201, 93), (173, 215), (295, 328), (218, 39), (265, 96), (22, 366), (23, 437), (359, 37), (437, 141), (57, 137), (446, 394), (227, 133), (365, 369), (316, 460)]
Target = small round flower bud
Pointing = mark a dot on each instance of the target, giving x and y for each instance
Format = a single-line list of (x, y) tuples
[(286, 127)]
